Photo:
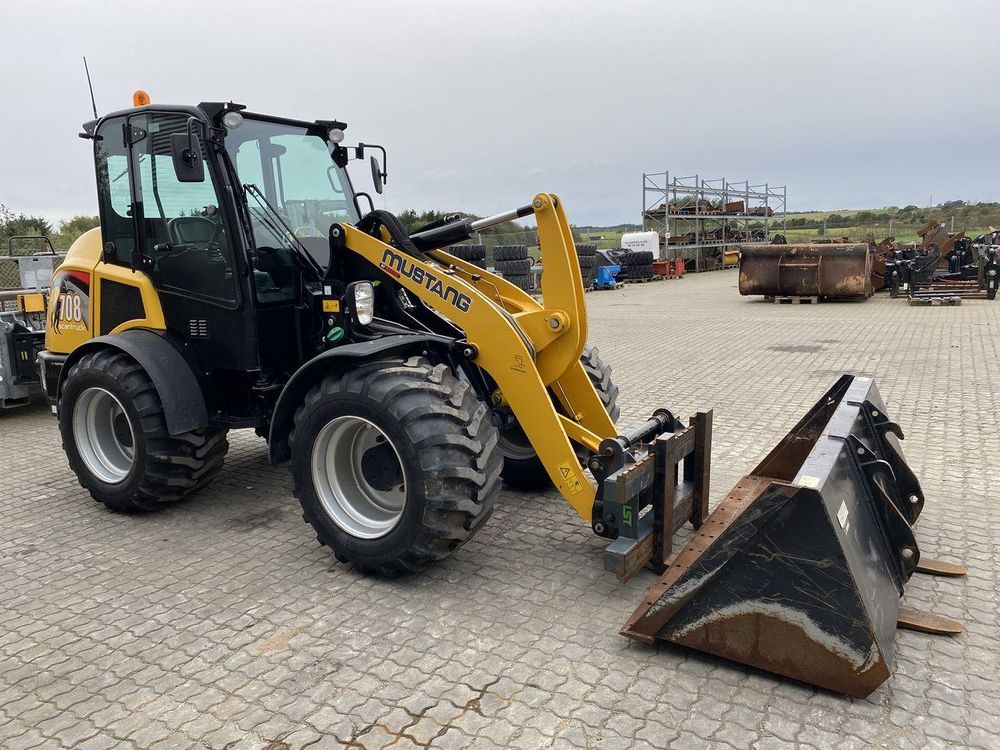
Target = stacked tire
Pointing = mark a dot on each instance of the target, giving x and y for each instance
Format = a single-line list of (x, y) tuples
[(587, 255), (636, 264), (512, 262), (475, 254)]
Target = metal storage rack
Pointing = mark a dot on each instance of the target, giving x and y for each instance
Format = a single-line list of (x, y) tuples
[(690, 215)]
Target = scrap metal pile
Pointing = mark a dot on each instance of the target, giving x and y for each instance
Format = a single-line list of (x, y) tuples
[(945, 266), (941, 268), (703, 206)]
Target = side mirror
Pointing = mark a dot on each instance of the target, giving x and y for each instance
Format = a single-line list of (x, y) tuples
[(376, 174), (185, 148)]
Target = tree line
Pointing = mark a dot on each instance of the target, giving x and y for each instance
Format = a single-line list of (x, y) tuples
[(62, 235), (965, 214)]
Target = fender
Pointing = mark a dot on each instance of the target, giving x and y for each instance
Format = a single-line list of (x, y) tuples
[(169, 369), (340, 357)]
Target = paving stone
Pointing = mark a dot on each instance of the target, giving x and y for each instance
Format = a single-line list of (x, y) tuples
[(219, 621)]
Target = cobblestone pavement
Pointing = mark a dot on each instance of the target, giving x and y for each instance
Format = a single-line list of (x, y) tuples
[(220, 623)]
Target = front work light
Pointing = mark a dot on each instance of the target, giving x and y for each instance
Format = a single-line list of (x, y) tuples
[(362, 296)]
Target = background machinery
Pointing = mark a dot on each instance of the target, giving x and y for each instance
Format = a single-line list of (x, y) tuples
[(25, 277), (237, 282)]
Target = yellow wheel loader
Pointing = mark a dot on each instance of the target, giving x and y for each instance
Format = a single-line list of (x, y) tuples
[(237, 282)]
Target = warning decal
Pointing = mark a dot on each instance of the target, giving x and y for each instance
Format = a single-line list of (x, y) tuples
[(569, 478)]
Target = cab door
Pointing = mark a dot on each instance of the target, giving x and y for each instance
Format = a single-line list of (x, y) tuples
[(175, 233)]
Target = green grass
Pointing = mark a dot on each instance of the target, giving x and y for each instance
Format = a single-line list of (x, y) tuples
[(902, 232)]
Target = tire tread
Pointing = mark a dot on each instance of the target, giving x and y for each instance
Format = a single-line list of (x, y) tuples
[(175, 465), (456, 444)]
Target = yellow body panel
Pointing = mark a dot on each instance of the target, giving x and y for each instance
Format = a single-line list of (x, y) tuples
[(150, 297), (531, 350), (75, 303), (31, 303)]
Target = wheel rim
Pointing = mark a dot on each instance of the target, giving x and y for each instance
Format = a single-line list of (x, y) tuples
[(515, 444), (103, 435), (358, 477)]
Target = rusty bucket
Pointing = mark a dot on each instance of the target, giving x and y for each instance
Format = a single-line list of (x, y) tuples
[(830, 271), (800, 569)]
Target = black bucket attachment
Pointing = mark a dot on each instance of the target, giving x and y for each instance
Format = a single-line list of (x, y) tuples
[(800, 569)]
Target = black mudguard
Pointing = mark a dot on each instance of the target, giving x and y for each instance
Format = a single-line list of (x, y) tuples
[(348, 355), (170, 370)]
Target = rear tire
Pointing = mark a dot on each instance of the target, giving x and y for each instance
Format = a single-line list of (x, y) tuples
[(114, 433), (391, 512), (514, 267), (471, 253), (510, 252), (521, 281), (522, 468)]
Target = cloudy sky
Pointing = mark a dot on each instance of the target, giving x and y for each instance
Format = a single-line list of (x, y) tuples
[(482, 104)]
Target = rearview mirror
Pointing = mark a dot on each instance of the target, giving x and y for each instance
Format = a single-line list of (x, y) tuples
[(185, 148), (376, 174)]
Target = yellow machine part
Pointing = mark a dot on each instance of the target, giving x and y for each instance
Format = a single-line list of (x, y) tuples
[(531, 350), (31, 303), (75, 298)]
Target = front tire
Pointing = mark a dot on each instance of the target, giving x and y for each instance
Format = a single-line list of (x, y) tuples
[(522, 468), (114, 433), (395, 464)]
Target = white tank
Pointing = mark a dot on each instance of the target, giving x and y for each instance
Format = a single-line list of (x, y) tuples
[(643, 241)]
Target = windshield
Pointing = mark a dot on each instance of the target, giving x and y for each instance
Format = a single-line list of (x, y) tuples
[(292, 167)]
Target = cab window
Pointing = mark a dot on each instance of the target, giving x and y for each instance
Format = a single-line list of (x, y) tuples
[(181, 226), (291, 166)]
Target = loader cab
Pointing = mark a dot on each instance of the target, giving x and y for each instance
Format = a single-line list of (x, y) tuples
[(213, 238)]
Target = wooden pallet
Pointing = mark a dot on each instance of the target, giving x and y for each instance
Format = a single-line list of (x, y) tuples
[(642, 281), (793, 300), (935, 301)]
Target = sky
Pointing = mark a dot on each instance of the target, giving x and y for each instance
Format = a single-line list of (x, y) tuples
[(483, 104)]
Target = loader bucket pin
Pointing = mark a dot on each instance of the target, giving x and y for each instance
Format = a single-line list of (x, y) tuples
[(800, 569)]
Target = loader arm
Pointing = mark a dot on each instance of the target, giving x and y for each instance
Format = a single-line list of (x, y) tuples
[(530, 349)]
